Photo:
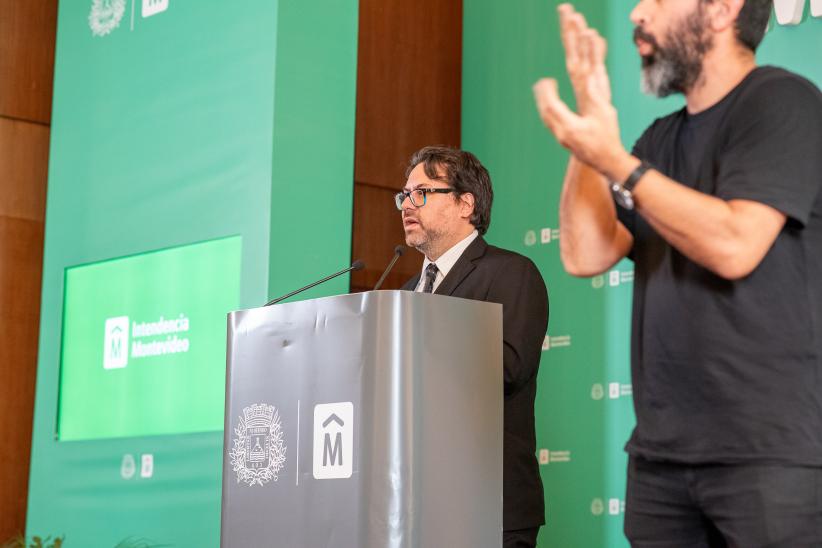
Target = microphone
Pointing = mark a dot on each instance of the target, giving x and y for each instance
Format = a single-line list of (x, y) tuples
[(398, 251), (356, 265)]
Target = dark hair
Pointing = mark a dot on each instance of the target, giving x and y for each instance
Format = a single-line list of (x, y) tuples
[(752, 22), (463, 171)]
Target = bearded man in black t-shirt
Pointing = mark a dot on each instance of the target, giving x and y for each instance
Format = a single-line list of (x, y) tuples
[(719, 205)]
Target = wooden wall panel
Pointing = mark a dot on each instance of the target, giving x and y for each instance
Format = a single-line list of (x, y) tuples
[(380, 226), (27, 31), (408, 84), (408, 96), (24, 156), (21, 254), (27, 38)]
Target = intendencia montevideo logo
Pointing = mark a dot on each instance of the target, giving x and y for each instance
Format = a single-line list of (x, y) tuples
[(105, 15), (147, 339)]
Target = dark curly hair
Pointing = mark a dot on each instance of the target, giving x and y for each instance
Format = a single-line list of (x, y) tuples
[(463, 171), (752, 22)]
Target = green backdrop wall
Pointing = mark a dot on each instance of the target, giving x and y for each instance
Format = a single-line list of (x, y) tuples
[(195, 121), (584, 409), (175, 123)]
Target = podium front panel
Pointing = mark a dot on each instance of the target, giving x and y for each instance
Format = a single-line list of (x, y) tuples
[(371, 420)]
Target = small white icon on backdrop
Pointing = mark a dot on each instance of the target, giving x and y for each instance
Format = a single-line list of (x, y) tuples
[(790, 12), (557, 341), (153, 7), (333, 440), (127, 467), (614, 278), (147, 465), (618, 390), (530, 238), (597, 391), (547, 456), (616, 506), (115, 349), (105, 16), (597, 507)]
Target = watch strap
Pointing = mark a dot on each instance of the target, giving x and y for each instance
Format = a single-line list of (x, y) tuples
[(636, 175)]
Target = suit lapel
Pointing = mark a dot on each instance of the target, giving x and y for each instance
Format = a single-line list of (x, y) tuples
[(463, 267), (411, 284)]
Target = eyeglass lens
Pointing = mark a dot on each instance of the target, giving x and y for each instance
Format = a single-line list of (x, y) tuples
[(417, 198)]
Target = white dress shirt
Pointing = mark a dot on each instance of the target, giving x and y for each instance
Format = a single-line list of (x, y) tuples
[(446, 262)]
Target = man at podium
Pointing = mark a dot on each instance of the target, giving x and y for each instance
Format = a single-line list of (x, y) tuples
[(446, 208)]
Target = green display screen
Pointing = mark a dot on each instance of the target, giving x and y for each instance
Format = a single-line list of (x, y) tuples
[(143, 346)]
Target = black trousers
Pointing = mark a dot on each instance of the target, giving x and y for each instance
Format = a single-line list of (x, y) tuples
[(719, 506), (520, 538)]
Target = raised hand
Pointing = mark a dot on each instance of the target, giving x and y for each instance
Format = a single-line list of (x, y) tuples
[(585, 53), (592, 134)]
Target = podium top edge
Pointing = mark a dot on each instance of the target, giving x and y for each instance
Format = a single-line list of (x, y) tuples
[(359, 295)]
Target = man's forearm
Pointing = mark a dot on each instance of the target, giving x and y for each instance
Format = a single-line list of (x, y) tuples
[(591, 238), (730, 238)]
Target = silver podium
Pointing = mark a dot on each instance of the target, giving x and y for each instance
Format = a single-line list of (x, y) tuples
[(371, 420)]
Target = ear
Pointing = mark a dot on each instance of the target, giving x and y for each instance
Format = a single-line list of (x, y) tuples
[(466, 205), (723, 14)]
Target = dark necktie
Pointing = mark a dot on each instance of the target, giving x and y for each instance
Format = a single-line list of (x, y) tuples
[(430, 275)]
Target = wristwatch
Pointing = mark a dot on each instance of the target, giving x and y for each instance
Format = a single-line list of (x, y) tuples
[(624, 192)]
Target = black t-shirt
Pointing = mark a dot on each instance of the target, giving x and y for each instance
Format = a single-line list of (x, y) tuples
[(731, 371)]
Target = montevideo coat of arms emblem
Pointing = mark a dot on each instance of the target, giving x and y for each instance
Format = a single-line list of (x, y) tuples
[(258, 452), (105, 16)]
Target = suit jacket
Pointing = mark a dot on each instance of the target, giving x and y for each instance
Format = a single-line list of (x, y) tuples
[(488, 273)]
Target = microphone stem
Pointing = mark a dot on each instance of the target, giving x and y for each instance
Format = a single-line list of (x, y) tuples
[(387, 270), (318, 282)]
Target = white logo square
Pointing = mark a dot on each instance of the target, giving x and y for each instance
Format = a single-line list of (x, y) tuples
[(613, 278), (147, 465), (545, 235), (333, 440), (153, 7), (115, 350)]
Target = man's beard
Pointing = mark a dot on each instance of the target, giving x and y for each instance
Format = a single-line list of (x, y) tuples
[(424, 239), (677, 66)]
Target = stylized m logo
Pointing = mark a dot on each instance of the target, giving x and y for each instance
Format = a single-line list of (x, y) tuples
[(153, 7), (115, 348), (331, 453), (333, 440)]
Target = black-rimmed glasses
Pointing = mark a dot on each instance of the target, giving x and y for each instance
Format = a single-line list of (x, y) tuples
[(418, 195)]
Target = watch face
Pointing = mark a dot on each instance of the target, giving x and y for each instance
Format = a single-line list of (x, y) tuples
[(622, 196)]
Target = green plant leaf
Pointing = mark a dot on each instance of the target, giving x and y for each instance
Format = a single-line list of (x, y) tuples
[(18, 541), (138, 542)]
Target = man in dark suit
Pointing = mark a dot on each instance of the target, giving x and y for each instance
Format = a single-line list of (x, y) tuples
[(446, 207)]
